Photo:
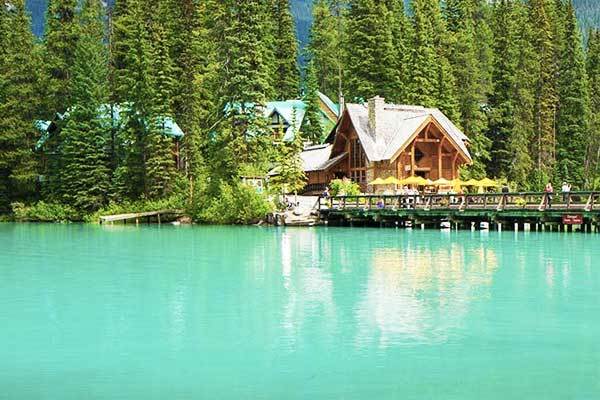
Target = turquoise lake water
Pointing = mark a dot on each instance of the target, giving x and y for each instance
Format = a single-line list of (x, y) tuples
[(91, 312)]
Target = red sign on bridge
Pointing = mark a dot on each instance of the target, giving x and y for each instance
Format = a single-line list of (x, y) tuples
[(576, 219)]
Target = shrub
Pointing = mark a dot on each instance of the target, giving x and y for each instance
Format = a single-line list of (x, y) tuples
[(45, 212), (344, 187), (235, 204)]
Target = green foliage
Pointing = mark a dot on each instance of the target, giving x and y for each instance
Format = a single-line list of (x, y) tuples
[(45, 212), (19, 103), (85, 174), (344, 187), (286, 80), (370, 54), (573, 115), (290, 176), (325, 48), (311, 128), (235, 203)]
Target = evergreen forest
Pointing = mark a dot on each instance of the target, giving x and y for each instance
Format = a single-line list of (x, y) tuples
[(521, 78)]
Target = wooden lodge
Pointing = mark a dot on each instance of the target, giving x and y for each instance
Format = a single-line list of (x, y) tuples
[(380, 140)]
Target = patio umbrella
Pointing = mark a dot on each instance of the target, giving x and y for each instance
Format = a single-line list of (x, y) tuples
[(416, 180), (443, 182), (378, 181), (391, 180), (471, 182), (487, 183)]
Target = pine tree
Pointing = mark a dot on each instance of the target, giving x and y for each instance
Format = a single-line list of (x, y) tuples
[(369, 51), (573, 115), (401, 40), (473, 90), (60, 39), (159, 166), (511, 125), (592, 164), (194, 103), (431, 79), (286, 76), (86, 177), (134, 80), (323, 48), (19, 104), (311, 124), (245, 84), (423, 60), (546, 97)]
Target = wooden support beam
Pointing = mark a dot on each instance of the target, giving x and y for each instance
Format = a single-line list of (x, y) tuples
[(440, 157), (413, 163), (454, 165)]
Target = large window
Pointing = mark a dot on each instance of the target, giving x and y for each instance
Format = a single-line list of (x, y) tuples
[(358, 162)]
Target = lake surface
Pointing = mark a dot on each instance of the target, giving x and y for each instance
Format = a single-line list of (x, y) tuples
[(91, 312)]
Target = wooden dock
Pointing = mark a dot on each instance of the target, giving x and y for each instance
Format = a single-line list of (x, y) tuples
[(137, 217), (536, 210)]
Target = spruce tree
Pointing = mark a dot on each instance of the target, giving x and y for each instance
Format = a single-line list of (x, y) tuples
[(323, 48), (592, 164), (546, 96), (468, 69), (19, 104), (86, 177), (511, 124), (423, 60), (371, 60), (573, 117), (286, 80), (401, 41), (134, 81), (311, 127), (60, 39)]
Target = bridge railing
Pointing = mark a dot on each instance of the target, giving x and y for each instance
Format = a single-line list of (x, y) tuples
[(540, 201)]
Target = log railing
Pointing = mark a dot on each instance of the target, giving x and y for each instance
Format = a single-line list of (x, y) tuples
[(534, 201)]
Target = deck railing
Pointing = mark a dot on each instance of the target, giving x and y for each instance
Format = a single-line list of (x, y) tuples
[(535, 201)]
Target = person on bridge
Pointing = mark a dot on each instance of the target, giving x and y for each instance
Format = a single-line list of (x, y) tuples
[(566, 190), (549, 192)]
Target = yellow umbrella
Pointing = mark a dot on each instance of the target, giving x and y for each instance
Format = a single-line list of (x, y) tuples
[(442, 182), (378, 181), (391, 181), (416, 180), (471, 182), (487, 183)]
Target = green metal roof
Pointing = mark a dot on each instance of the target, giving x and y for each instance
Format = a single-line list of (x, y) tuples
[(117, 116)]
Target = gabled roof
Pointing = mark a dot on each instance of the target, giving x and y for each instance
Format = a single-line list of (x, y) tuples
[(396, 125), (317, 158), (292, 111)]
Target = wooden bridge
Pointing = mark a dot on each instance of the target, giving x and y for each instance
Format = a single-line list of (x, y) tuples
[(537, 210), (158, 216)]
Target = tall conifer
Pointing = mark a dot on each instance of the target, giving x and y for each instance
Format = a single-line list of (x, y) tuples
[(369, 51), (19, 104), (286, 81), (573, 116), (86, 177), (323, 48)]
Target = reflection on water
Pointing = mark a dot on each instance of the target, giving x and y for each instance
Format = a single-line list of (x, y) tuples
[(419, 294)]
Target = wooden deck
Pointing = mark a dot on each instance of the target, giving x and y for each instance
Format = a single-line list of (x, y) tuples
[(495, 208), (137, 217)]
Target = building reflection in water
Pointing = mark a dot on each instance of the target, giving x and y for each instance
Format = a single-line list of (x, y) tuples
[(308, 284), (421, 293)]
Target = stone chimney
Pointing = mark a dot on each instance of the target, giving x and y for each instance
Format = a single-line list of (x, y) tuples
[(376, 108)]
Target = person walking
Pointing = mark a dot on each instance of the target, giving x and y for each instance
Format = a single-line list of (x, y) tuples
[(549, 192), (566, 190)]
